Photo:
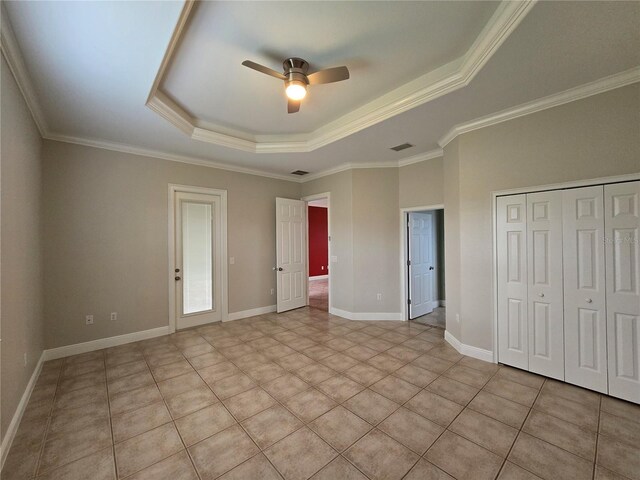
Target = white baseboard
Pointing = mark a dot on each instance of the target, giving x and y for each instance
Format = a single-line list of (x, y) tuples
[(365, 316), (251, 313), (17, 416), (101, 343), (318, 277), (468, 350)]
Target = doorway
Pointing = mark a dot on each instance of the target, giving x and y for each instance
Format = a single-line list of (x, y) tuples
[(423, 265), (197, 256), (318, 251)]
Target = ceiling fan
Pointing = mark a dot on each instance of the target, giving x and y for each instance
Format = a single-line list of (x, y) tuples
[(296, 79)]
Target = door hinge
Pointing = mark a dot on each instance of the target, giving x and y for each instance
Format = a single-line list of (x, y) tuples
[(408, 263), (408, 301)]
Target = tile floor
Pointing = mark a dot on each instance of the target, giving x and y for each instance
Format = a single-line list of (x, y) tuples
[(319, 294), (437, 318), (307, 395)]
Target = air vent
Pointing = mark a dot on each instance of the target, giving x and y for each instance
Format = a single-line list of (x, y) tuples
[(404, 146), (299, 172)]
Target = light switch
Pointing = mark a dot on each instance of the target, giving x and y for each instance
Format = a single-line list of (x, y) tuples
[(232, 260)]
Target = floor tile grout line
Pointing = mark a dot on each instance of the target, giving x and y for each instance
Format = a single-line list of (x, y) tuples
[(595, 455)]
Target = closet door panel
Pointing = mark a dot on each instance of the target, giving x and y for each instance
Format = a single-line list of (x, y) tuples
[(622, 223), (513, 347), (585, 328), (545, 299)]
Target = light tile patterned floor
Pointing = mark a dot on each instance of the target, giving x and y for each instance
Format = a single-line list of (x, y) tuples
[(307, 395), (319, 294), (437, 318)]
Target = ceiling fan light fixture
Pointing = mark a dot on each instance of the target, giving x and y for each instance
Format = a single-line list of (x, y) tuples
[(296, 89)]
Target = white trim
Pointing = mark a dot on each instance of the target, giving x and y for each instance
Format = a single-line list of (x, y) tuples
[(13, 56), (602, 85), (404, 311), (144, 152), (441, 81), (251, 313), (307, 199), (318, 277), (421, 157), (494, 249), (365, 316), (10, 434), (224, 300), (468, 350), (78, 348)]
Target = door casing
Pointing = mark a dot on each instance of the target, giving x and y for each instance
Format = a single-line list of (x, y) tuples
[(404, 284), (307, 199), (224, 296)]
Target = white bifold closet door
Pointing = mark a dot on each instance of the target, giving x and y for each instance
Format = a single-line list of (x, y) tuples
[(545, 299), (584, 288), (622, 223), (513, 342)]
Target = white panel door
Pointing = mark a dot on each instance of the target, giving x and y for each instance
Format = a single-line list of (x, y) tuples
[(291, 254), (198, 259), (584, 288), (513, 345), (622, 223), (421, 264), (545, 300)]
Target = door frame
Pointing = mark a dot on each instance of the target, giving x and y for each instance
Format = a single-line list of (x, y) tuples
[(307, 199), (404, 255), (494, 225), (224, 300)]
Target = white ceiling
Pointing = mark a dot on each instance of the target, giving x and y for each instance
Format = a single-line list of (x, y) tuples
[(384, 45), (92, 65)]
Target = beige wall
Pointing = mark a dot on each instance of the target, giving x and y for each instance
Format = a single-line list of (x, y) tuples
[(105, 224), (376, 240), (341, 227), (595, 137), (421, 184), (22, 325)]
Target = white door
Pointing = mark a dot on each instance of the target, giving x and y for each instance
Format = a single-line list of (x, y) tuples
[(421, 263), (545, 302), (584, 288), (198, 259), (622, 222), (511, 235), (291, 254)]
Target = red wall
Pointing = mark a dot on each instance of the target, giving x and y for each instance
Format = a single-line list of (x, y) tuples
[(318, 241)]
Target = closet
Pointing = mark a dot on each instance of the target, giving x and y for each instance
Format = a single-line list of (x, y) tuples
[(568, 280)]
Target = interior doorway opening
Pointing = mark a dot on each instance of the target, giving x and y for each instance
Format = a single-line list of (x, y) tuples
[(318, 239), (423, 265)]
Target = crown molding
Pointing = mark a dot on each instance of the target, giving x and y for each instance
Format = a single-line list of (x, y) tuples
[(421, 157), (441, 81), (602, 85), (11, 53), (144, 152)]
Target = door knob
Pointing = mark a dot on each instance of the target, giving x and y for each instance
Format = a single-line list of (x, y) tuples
[(541, 295), (177, 278), (589, 300), (280, 269), (430, 268), (177, 270)]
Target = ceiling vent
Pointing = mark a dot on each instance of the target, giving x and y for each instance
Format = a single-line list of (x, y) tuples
[(404, 146), (299, 172)]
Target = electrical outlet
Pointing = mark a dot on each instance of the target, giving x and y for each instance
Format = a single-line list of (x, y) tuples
[(88, 319), (334, 259), (114, 316), (25, 359), (458, 317), (379, 296), (232, 260), (272, 291)]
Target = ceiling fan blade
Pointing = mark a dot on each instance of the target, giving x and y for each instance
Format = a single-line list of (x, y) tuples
[(263, 69), (329, 75), (293, 106)]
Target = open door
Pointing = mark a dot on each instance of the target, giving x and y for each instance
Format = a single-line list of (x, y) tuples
[(291, 254), (421, 263)]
